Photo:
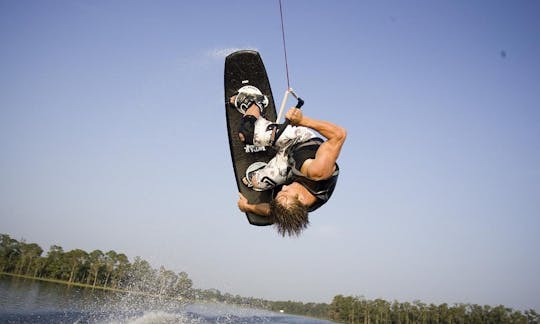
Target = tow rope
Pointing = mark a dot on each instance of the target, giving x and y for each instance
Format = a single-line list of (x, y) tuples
[(289, 89), (284, 45)]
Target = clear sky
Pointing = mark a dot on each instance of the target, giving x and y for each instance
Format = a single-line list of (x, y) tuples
[(113, 136)]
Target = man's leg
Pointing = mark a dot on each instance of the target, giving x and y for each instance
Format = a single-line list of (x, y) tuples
[(251, 103)]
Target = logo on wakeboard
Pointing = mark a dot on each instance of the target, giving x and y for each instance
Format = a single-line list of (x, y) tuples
[(254, 149)]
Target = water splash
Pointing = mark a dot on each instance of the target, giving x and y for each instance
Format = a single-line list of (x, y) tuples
[(38, 302)]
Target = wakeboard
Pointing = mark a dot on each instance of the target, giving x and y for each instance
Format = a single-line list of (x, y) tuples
[(243, 68)]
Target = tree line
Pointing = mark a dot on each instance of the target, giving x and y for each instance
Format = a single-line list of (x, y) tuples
[(96, 269), (353, 309), (110, 270), (114, 270)]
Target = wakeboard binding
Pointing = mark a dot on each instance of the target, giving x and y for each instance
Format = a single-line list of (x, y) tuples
[(249, 95)]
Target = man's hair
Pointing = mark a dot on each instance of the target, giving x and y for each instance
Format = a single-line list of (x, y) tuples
[(290, 220)]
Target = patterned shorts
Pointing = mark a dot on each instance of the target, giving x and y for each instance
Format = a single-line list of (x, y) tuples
[(277, 171)]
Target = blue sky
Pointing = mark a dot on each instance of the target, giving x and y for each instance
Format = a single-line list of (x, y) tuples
[(112, 136)]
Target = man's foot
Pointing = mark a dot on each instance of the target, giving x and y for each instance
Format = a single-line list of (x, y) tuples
[(248, 96)]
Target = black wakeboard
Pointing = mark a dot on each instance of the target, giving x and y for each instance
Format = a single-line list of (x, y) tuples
[(242, 68)]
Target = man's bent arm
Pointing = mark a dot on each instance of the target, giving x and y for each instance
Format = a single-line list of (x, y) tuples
[(262, 209), (327, 129), (323, 165)]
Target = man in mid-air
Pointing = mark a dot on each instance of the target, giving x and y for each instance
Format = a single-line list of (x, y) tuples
[(305, 165)]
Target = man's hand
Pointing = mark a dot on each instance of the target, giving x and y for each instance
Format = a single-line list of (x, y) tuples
[(243, 203), (295, 116), (262, 209)]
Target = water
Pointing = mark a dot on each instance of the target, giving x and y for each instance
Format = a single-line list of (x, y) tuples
[(29, 301)]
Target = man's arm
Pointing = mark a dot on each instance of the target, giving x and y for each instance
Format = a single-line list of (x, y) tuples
[(246, 207), (322, 167)]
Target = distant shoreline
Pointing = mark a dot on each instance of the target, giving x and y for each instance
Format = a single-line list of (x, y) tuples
[(24, 261), (81, 285)]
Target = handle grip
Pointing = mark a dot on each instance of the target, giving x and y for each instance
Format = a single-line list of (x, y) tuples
[(287, 122), (300, 103)]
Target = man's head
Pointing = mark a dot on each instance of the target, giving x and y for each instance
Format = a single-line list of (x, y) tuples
[(289, 211)]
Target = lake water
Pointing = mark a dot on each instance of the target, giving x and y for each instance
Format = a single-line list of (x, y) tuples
[(29, 301)]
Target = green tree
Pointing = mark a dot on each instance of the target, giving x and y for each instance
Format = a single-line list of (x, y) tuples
[(54, 267), (532, 316), (499, 314), (110, 262), (120, 271), (381, 311), (141, 276), (341, 309), (75, 260), (96, 262), (166, 282), (444, 314), (184, 286), (9, 253), (433, 314), (459, 313), (476, 314), (38, 266)]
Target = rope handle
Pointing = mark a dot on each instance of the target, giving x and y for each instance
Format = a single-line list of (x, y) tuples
[(300, 102), (287, 122)]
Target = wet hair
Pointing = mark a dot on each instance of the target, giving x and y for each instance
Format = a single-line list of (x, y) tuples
[(290, 220)]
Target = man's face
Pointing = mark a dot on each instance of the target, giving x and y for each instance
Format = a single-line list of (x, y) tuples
[(286, 196)]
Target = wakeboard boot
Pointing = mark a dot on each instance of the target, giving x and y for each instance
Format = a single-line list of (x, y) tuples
[(247, 96)]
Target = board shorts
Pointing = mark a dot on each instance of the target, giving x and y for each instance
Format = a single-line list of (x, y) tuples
[(277, 171)]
